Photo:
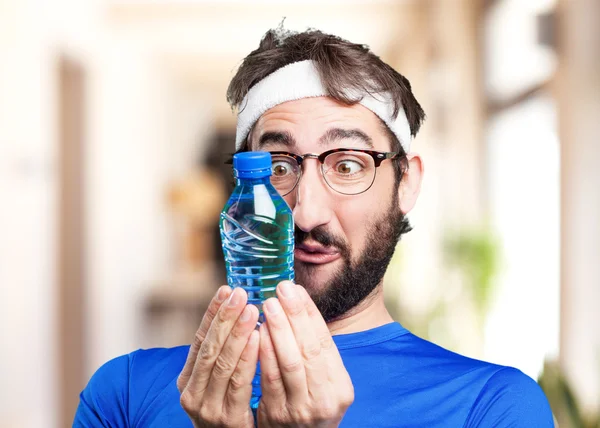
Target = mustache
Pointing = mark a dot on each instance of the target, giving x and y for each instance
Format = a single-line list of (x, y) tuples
[(320, 235)]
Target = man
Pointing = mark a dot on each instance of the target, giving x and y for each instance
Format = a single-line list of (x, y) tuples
[(342, 122)]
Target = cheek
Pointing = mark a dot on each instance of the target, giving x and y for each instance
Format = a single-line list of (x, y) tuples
[(355, 215)]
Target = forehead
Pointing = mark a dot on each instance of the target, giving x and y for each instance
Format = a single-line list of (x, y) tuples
[(307, 120)]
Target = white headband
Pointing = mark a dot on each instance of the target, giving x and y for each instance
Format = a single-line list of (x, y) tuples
[(301, 80)]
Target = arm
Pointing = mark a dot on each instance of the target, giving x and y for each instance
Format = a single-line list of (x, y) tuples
[(510, 399), (104, 401)]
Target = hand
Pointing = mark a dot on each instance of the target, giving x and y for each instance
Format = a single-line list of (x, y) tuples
[(216, 381), (303, 379)]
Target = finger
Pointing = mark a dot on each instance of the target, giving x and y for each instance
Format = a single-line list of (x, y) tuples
[(336, 370), (228, 359), (319, 324), (213, 307), (308, 342), (216, 336), (288, 355), (239, 391), (271, 382)]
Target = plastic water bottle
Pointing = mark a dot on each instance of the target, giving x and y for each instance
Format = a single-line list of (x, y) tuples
[(257, 235)]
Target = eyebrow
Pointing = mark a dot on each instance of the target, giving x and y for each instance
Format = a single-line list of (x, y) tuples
[(286, 139), (278, 137), (336, 134)]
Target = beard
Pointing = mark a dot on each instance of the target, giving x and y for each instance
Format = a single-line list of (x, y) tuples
[(353, 281)]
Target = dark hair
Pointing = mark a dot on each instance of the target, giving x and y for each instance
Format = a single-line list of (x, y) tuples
[(342, 66)]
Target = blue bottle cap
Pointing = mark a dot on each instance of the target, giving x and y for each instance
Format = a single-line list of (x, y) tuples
[(252, 164)]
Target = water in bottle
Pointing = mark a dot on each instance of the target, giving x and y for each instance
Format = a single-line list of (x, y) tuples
[(257, 235)]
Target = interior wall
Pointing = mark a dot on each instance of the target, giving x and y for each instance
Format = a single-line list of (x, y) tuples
[(578, 88), (27, 219)]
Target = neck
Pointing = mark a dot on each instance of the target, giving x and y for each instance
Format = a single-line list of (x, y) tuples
[(368, 314)]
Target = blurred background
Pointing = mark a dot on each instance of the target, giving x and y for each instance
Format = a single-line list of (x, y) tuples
[(113, 132)]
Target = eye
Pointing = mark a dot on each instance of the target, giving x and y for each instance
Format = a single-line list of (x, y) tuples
[(281, 168), (348, 167)]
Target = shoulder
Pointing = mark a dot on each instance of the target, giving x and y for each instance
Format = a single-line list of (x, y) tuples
[(122, 384), (511, 398), (426, 353), (104, 401), (498, 395), (139, 365), (167, 361)]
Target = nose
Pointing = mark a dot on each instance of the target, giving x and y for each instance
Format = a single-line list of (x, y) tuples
[(311, 200)]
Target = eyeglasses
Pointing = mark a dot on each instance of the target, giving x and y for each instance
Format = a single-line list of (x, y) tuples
[(347, 171)]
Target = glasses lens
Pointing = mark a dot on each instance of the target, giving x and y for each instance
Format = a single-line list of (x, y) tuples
[(349, 172), (284, 173)]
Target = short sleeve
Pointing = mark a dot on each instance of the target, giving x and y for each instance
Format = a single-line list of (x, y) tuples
[(510, 399), (104, 401)]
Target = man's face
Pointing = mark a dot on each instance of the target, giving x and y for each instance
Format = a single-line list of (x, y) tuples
[(343, 242)]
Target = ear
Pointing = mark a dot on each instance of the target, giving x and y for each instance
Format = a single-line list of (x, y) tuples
[(410, 187)]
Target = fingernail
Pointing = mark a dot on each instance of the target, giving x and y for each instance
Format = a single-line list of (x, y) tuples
[(288, 289), (234, 299), (273, 306), (246, 314), (221, 294)]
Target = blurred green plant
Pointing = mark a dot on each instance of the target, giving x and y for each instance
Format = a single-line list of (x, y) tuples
[(563, 402), (476, 253)]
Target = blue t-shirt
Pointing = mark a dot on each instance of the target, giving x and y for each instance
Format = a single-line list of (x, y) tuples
[(400, 380)]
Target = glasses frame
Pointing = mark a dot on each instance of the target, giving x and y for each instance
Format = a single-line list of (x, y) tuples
[(377, 156)]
